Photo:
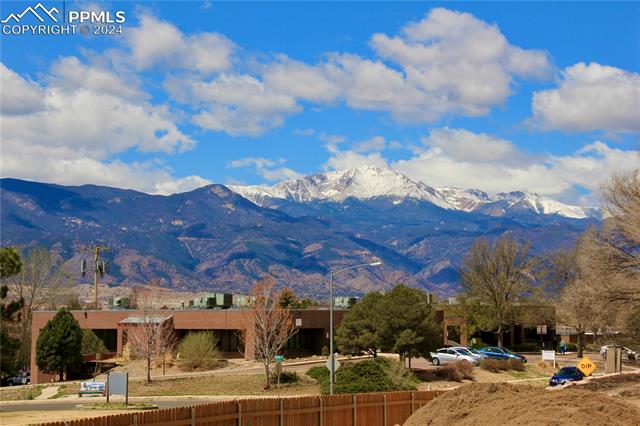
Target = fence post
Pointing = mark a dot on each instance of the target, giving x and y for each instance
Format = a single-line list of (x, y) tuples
[(355, 415), (193, 416), (281, 412), (320, 412), (412, 408), (384, 410), (135, 420), (239, 413)]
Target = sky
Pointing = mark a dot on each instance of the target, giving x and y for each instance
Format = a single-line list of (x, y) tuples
[(500, 96)]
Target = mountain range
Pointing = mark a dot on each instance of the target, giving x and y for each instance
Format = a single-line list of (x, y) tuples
[(223, 238)]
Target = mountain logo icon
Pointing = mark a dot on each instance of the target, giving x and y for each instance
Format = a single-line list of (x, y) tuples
[(38, 11)]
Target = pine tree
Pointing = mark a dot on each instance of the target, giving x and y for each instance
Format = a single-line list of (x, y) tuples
[(358, 331), (10, 264), (59, 345)]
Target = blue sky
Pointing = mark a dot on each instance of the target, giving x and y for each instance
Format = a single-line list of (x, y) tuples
[(500, 96)]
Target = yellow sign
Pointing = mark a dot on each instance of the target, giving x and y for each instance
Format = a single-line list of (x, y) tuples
[(586, 366)]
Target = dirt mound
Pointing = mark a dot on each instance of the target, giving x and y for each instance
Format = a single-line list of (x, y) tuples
[(504, 404)]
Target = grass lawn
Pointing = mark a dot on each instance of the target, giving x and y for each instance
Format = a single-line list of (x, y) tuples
[(16, 393), (241, 384)]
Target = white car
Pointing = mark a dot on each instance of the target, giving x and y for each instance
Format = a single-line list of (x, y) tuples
[(626, 352), (451, 355)]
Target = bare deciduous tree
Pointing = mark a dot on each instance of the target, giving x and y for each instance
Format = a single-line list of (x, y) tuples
[(496, 284), (151, 332), (273, 325), (43, 278), (614, 250)]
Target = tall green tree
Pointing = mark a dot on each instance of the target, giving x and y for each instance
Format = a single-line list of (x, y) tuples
[(59, 345), (10, 264), (497, 284), (406, 324), (358, 331)]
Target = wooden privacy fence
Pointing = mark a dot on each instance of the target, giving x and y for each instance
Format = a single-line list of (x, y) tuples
[(365, 409)]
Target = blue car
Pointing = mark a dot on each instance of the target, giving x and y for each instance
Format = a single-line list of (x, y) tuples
[(497, 352), (566, 374)]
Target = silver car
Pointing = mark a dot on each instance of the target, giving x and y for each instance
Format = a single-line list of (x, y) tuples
[(451, 355)]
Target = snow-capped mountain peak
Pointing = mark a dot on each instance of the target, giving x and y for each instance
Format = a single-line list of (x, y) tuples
[(368, 182)]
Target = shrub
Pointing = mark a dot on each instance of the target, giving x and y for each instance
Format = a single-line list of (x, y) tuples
[(286, 377), (325, 351), (401, 377), (449, 372), (495, 365), (572, 347), (542, 364), (374, 375), (198, 350), (515, 364), (318, 373), (479, 345)]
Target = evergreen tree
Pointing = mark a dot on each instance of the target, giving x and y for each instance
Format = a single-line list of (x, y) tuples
[(406, 325), (91, 343), (59, 345), (10, 264), (358, 331)]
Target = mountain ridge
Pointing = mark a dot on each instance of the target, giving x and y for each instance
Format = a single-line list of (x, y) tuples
[(367, 182)]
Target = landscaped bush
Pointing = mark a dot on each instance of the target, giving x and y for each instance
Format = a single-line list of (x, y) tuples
[(318, 373), (479, 345), (455, 372), (496, 365), (572, 347), (515, 364), (286, 377), (198, 350), (375, 375)]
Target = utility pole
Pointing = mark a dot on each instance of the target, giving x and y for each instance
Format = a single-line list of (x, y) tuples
[(99, 268)]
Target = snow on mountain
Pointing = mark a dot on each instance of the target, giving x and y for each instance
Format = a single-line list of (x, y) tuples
[(367, 182)]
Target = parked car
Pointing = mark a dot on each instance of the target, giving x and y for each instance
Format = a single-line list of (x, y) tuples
[(566, 374), (631, 355), (498, 352), (476, 353), (451, 355), (17, 380)]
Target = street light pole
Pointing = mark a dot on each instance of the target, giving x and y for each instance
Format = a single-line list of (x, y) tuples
[(332, 363)]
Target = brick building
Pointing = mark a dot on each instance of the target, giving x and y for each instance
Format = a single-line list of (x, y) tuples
[(114, 326)]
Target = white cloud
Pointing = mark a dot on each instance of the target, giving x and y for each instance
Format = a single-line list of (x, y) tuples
[(376, 143), (159, 42), (590, 97), (301, 80), (271, 170), (70, 74), (233, 103), (17, 95), (460, 63), (496, 165), (72, 136)]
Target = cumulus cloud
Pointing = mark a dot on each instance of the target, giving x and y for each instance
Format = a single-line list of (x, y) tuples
[(270, 170), (446, 63), (18, 95), (590, 97), (159, 42), (72, 135), (234, 103), (495, 165)]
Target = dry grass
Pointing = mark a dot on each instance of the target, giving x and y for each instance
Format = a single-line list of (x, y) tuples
[(246, 384), (17, 393)]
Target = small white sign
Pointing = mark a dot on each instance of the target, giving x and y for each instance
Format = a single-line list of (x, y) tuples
[(336, 363), (549, 356), (298, 322)]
